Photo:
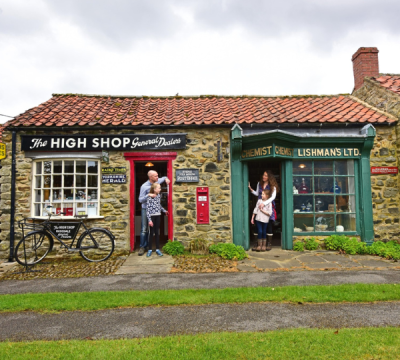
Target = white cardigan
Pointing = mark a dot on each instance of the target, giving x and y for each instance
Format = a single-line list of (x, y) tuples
[(270, 199)]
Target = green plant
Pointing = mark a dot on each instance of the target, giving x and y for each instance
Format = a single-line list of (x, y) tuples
[(173, 248), (311, 244), (197, 246), (228, 251), (299, 246), (350, 246), (335, 242), (362, 248)]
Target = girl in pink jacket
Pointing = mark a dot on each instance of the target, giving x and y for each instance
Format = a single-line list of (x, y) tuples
[(262, 218)]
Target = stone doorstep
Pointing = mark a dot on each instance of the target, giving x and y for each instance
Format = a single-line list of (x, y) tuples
[(267, 264), (154, 259), (311, 259)]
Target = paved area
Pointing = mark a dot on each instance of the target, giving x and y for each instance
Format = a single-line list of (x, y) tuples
[(162, 321), (199, 281), (284, 260), (146, 265)]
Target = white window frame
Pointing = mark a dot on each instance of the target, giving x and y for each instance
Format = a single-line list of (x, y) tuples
[(73, 189)]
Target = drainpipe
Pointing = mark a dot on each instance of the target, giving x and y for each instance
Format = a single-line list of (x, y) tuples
[(13, 171)]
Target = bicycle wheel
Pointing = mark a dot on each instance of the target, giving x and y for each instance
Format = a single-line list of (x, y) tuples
[(33, 248), (96, 245)]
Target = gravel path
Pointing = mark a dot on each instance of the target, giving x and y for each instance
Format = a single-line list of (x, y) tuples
[(199, 281), (162, 321)]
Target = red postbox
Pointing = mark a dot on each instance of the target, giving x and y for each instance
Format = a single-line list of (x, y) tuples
[(203, 205)]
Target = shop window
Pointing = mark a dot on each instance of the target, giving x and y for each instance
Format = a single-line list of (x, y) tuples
[(69, 186), (324, 197)]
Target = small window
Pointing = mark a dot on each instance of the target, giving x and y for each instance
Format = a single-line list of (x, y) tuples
[(68, 186), (324, 196)]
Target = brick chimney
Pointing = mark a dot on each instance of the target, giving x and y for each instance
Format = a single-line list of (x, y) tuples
[(365, 63)]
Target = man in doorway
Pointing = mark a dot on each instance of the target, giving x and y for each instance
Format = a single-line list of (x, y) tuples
[(144, 194)]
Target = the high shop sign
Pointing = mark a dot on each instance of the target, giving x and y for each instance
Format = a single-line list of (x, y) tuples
[(102, 142)]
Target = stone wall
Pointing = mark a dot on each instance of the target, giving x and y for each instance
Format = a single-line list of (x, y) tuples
[(200, 152), (386, 152), (385, 188)]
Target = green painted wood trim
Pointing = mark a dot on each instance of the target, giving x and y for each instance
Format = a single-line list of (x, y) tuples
[(287, 204), (246, 210)]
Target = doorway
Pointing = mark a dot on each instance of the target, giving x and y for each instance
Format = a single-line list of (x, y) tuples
[(141, 177), (256, 169)]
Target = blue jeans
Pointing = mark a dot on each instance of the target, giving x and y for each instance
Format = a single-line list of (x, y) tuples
[(144, 230), (261, 230)]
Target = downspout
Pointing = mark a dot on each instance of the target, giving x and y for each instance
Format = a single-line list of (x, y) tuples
[(12, 216)]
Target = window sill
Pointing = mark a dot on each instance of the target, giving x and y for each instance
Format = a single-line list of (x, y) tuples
[(66, 218)]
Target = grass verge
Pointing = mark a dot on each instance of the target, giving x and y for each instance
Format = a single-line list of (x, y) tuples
[(365, 343), (116, 299)]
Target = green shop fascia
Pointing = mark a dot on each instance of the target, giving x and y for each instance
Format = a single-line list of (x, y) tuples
[(324, 175)]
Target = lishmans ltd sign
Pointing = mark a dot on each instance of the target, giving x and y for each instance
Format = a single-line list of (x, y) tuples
[(102, 142)]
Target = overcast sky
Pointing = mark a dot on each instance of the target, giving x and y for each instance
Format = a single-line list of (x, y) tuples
[(190, 47)]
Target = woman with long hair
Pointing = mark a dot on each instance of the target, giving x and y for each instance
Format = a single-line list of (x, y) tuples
[(267, 182)]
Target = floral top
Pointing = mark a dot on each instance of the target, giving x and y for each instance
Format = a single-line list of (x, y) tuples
[(153, 207)]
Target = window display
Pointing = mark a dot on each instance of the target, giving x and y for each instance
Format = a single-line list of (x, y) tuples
[(324, 196), (69, 186)]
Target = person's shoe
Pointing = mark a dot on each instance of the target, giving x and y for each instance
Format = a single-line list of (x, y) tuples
[(159, 253), (264, 245), (259, 243), (141, 251), (269, 246), (149, 253)]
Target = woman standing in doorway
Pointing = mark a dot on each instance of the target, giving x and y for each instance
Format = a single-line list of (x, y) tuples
[(267, 182)]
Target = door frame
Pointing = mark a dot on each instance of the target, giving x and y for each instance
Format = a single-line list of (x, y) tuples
[(133, 157)]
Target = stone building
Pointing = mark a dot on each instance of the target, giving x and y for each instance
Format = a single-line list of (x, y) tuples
[(87, 154)]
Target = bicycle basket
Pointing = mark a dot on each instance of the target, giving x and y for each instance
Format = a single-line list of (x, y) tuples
[(25, 224)]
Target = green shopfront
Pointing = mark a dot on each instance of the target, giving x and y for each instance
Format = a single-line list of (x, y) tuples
[(324, 179)]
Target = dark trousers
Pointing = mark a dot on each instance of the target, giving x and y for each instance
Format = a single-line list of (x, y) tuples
[(155, 230), (261, 230)]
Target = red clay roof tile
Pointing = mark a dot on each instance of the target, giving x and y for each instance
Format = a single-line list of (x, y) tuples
[(390, 82), (89, 110)]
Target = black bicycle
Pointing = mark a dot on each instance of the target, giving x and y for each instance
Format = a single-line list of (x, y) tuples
[(94, 244)]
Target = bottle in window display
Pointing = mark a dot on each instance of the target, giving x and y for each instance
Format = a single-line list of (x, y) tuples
[(336, 188), (303, 188)]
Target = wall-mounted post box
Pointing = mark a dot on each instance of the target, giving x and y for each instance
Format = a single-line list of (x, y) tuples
[(203, 205)]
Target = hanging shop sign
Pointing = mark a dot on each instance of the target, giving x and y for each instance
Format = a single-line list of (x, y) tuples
[(187, 175), (383, 170), (102, 142), (64, 230), (113, 179), (113, 170), (287, 152), (3, 152)]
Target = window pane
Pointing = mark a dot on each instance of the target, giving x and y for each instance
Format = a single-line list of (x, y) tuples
[(323, 184), (345, 222), (56, 180), (46, 181), (39, 167), (92, 208), (57, 195), (93, 167), (36, 211), (92, 180), (57, 167), (80, 180), (324, 203), (38, 181), (68, 209), (323, 167), (68, 194), (303, 203), (81, 167), (80, 208), (93, 194), (325, 222), (302, 167), (80, 194), (303, 184), (68, 167), (68, 180), (346, 184), (38, 195), (303, 222), (344, 167), (346, 203), (47, 167)]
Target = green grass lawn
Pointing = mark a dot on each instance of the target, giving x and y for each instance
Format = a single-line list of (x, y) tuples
[(117, 299), (365, 343)]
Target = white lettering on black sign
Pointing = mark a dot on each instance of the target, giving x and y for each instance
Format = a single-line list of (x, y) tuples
[(187, 175), (102, 142), (64, 230), (113, 179)]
